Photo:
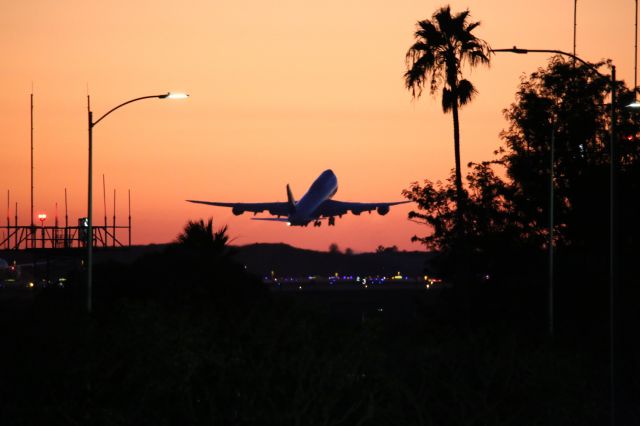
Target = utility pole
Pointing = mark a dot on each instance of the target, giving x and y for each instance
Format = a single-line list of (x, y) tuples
[(575, 26), (33, 237)]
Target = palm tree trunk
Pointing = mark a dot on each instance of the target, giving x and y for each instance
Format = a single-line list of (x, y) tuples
[(456, 145), (460, 277)]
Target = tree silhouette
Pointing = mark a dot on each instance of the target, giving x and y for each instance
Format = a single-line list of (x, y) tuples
[(509, 216), (200, 235), (493, 234), (569, 102), (443, 45)]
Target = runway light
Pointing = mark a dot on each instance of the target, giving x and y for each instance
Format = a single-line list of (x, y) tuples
[(42, 217)]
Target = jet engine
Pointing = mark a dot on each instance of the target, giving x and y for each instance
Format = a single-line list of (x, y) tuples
[(237, 211), (382, 210)]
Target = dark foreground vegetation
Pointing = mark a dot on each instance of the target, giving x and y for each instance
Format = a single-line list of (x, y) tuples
[(204, 343)]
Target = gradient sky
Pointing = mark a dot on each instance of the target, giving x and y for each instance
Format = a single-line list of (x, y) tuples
[(280, 91)]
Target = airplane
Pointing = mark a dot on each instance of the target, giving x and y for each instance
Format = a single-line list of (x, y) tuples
[(314, 206)]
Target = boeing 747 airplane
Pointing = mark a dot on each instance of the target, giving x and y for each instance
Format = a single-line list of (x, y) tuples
[(314, 206)]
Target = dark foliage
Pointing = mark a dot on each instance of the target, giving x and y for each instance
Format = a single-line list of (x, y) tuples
[(147, 362), (506, 221), (186, 337)]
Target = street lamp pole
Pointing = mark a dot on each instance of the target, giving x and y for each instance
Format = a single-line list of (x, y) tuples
[(612, 204), (170, 95)]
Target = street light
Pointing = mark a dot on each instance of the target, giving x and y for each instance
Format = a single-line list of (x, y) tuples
[(612, 202), (169, 95)]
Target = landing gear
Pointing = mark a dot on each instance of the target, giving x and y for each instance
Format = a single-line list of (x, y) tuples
[(332, 221), (317, 223)]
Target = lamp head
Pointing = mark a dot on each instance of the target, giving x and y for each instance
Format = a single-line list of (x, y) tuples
[(174, 95), (634, 105), (519, 51), (514, 49)]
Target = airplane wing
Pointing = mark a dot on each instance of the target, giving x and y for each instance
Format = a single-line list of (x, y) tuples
[(276, 209), (338, 208)]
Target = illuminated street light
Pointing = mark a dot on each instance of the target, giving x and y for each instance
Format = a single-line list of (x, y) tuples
[(175, 95), (168, 95)]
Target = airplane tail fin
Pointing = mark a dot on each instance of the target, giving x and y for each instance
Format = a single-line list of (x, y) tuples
[(291, 200)]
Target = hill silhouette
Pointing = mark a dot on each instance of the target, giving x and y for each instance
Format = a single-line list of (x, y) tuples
[(284, 259)]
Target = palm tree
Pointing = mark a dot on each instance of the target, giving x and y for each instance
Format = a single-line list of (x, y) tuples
[(200, 235), (443, 45)]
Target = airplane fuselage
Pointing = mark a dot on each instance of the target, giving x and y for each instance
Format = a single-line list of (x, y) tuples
[(322, 189)]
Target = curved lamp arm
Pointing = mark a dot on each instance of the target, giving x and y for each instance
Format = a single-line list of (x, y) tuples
[(169, 95), (514, 49)]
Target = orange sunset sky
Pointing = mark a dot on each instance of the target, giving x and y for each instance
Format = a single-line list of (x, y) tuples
[(280, 91)]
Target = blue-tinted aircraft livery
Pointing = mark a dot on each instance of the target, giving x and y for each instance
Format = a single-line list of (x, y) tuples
[(314, 206)]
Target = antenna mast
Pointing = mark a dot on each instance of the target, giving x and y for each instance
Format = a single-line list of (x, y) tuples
[(16, 224), (31, 155), (8, 213), (635, 58), (66, 220), (104, 202), (575, 24), (114, 217), (129, 218)]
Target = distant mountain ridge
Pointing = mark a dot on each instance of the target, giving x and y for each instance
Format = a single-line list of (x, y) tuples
[(284, 259)]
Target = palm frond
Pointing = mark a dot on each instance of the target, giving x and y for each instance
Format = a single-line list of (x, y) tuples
[(466, 92), (443, 45), (472, 26), (459, 22), (477, 57), (444, 20), (420, 65), (448, 100)]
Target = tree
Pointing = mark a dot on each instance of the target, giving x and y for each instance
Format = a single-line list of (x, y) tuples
[(198, 235), (334, 248), (568, 102), (443, 45), (492, 234), (383, 249), (505, 217)]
